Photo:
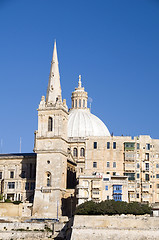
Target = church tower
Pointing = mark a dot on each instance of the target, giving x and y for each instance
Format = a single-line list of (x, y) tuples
[(51, 148)]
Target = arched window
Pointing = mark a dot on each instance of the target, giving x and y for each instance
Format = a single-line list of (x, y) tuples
[(50, 124), (76, 103), (80, 103), (48, 179), (75, 152), (83, 103), (82, 152)]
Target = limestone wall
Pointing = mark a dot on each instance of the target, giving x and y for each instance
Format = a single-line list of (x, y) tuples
[(121, 227), (13, 210), (10, 210)]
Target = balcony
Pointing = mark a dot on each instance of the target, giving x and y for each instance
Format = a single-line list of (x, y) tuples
[(130, 167), (95, 194), (81, 196), (96, 184), (82, 186), (117, 191), (145, 188), (129, 157), (129, 146), (131, 187)]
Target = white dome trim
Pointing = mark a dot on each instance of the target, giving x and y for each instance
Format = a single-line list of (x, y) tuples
[(82, 123)]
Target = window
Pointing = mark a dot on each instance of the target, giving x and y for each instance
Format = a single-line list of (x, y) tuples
[(117, 197), (79, 102), (147, 156), (76, 103), (106, 188), (137, 195), (138, 175), (95, 192), (157, 175), (108, 164), (157, 165), (138, 146), (94, 164), (82, 152), (114, 173), (107, 197), (147, 177), (73, 104), (114, 164), (114, 145), (157, 185), (81, 170), (23, 174), (11, 174), (129, 146), (11, 185), (105, 179), (131, 176), (27, 186), (117, 188), (50, 124), (75, 152), (108, 145), (48, 179), (83, 103), (147, 166), (95, 145), (138, 185), (0, 175), (138, 165), (32, 186), (147, 146)]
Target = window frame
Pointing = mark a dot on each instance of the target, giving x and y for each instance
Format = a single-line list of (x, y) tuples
[(114, 145), (94, 164), (50, 124)]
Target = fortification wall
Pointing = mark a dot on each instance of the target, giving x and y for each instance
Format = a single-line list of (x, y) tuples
[(115, 227), (13, 210)]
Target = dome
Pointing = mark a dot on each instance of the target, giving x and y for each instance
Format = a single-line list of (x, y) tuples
[(81, 123)]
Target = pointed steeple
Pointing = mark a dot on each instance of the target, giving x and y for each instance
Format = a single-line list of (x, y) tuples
[(54, 87)]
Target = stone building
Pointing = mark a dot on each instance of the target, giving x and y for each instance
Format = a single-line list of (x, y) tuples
[(75, 147)]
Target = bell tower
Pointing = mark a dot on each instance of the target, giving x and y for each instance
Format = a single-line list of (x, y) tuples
[(51, 148)]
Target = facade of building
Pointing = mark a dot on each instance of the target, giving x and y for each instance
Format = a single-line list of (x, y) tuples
[(100, 187), (75, 147)]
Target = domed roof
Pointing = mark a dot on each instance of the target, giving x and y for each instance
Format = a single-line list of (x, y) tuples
[(81, 123)]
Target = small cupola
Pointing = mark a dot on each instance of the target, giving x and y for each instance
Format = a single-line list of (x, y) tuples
[(79, 97)]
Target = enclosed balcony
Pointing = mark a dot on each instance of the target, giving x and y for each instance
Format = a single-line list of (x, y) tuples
[(130, 167), (129, 146), (95, 184), (129, 156)]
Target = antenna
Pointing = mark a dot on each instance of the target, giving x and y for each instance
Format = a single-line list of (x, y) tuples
[(20, 145), (90, 100)]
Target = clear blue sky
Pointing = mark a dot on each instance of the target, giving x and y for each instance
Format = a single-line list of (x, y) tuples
[(113, 44)]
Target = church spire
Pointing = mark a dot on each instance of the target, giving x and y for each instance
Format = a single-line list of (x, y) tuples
[(54, 87)]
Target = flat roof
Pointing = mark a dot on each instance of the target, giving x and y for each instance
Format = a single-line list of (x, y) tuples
[(17, 154)]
